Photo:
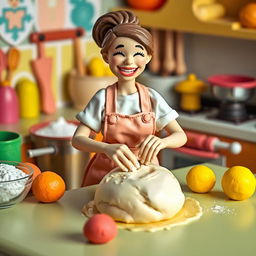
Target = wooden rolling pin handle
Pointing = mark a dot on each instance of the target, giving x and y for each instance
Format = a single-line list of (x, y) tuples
[(78, 57), (56, 35)]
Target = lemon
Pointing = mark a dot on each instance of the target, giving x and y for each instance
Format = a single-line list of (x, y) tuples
[(96, 67), (238, 183), (201, 179), (108, 71)]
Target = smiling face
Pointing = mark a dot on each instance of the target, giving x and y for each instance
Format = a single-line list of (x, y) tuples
[(127, 58)]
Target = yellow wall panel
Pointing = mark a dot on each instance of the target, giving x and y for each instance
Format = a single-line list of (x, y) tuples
[(91, 50), (51, 52), (67, 64)]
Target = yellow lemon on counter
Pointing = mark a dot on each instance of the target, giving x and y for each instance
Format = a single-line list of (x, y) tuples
[(96, 67), (238, 183), (201, 179)]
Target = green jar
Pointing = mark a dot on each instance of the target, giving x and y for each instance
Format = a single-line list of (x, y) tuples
[(10, 146)]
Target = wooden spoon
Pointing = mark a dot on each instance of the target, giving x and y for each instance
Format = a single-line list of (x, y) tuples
[(181, 67), (154, 64), (78, 55), (169, 64), (2, 63), (13, 57)]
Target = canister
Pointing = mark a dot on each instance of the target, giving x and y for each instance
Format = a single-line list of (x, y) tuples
[(10, 146), (28, 95)]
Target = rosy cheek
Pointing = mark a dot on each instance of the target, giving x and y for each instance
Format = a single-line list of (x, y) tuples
[(116, 60), (141, 62)]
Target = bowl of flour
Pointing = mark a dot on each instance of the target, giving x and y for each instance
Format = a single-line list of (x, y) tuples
[(15, 182)]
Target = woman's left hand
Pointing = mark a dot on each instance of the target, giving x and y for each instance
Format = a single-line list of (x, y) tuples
[(149, 149)]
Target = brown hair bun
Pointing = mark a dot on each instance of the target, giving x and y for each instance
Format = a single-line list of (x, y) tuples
[(120, 24)]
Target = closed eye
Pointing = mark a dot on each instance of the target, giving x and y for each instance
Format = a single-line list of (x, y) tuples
[(118, 53), (139, 53)]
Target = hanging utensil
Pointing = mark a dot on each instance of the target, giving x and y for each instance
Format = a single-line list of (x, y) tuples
[(168, 64), (181, 67), (2, 63), (42, 68), (8, 98), (154, 64), (78, 57), (13, 58)]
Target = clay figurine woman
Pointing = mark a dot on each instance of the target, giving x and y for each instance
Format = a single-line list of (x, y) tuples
[(127, 113)]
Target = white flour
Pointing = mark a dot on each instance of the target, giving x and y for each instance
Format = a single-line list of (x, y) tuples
[(9, 190), (221, 209), (58, 128)]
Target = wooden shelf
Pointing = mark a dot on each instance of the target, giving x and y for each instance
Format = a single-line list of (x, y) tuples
[(179, 15)]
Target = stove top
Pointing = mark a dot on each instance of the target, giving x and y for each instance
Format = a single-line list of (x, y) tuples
[(234, 113), (206, 121)]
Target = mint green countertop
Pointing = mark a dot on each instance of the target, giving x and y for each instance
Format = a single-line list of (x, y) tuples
[(226, 228)]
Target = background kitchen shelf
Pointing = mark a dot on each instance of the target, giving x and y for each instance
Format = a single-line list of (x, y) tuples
[(179, 15)]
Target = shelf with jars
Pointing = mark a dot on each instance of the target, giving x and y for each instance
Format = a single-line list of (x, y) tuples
[(213, 17)]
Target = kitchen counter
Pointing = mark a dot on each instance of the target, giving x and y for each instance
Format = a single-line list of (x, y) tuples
[(23, 125), (198, 122), (226, 228)]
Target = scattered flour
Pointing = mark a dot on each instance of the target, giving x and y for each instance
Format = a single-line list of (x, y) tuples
[(221, 209), (58, 128), (9, 190)]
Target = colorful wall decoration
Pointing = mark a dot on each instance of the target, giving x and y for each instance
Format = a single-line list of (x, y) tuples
[(16, 20)]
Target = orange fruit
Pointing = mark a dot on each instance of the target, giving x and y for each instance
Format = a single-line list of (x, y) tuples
[(48, 187), (146, 4), (247, 15), (35, 168)]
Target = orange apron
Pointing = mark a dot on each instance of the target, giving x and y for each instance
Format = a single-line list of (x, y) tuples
[(121, 129)]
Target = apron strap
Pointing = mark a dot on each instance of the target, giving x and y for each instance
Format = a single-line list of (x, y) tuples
[(145, 102), (110, 99)]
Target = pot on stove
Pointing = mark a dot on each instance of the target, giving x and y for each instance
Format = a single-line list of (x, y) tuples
[(57, 154), (232, 91)]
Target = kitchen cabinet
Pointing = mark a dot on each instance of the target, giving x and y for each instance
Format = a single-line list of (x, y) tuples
[(180, 15), (32, 228)]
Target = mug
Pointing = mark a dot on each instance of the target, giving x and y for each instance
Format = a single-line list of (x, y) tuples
[(10, 146)]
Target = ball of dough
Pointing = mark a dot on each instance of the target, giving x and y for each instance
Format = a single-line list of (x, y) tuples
[(149, 194), (100, 229)]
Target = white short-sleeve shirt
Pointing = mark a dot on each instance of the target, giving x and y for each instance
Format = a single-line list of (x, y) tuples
[(93, 114)]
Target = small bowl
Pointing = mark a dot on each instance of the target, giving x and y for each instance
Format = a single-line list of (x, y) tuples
[(15, 190), (82, 88)]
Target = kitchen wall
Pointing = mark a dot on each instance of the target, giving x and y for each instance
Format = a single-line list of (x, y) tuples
[(205, 55), (60, 51)]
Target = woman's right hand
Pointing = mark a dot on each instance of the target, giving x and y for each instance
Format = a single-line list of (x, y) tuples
[(122, 156)]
